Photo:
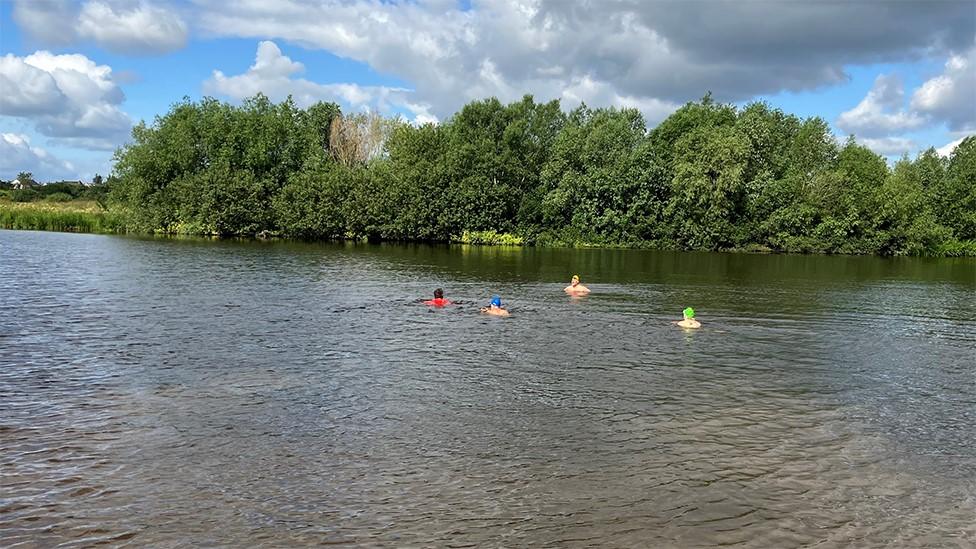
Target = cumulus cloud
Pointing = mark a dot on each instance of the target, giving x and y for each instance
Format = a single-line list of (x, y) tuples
[(647, 54), (17, 155), (143, 29), (889, 146), (50, 22), (27, 90), (951, 96), (881, 112), (65, 96), (598, 93), (121, 26), (946, 150), (274, 75)]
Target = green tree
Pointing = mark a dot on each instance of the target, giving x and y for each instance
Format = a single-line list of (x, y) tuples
[(690, 117), (26, 179), (708, 177), (493, 159), (929, 168), (310, 205), (906, 223), (770, 133), (708, 188), (418, 167), (954, 197), (603, 182)]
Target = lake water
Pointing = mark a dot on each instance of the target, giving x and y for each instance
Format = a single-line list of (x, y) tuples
[(174, 393)]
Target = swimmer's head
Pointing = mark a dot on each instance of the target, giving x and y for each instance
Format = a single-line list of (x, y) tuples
[(689, 312), (575, 280), (496, 301), (438, 294)]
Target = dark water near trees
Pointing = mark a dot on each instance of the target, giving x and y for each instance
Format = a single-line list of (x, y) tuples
[(187, 393)]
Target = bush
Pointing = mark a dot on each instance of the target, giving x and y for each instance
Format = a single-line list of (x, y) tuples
[(72, 189), (24, 195), (491, 238), (59, 197), (957, 248)]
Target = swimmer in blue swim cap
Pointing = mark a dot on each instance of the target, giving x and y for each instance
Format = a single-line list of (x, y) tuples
[(495, 307)]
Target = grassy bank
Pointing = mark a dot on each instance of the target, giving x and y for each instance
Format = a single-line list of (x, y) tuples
[(76, 217)]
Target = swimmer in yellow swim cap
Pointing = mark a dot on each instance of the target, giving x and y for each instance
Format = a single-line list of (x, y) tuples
[(575, 288)]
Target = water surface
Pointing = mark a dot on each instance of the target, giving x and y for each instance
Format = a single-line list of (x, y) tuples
[(177, 393)]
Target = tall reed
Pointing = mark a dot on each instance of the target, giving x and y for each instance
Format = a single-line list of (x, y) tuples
[(59, 217)]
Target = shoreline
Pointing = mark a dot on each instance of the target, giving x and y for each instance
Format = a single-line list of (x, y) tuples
[(90, 219)]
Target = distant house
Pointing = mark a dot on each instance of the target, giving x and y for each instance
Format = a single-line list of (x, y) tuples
[(17, 185)]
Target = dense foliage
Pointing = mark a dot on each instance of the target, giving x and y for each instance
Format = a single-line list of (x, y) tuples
[(709, 177)]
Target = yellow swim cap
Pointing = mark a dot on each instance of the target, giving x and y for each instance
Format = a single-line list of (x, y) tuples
[(576, 277)]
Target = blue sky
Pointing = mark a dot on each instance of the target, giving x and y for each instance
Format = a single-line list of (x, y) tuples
[(76, 74)]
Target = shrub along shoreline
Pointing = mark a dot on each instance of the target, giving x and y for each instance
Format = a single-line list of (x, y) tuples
[(709, 177), (69, 217)]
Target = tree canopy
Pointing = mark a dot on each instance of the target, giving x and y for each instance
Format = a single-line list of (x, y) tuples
[(709, 177)]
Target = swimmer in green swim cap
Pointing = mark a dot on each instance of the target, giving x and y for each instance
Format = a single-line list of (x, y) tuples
[(689, 320)]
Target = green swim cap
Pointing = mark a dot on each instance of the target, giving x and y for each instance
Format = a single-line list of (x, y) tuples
[(689, 313)]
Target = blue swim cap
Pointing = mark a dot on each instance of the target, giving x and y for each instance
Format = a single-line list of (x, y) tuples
[(496, 301)]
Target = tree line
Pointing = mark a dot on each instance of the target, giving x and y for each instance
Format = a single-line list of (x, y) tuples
[(709, 177), (24, 188)]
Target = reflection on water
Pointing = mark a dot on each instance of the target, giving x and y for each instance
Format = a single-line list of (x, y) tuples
[(168, 393)]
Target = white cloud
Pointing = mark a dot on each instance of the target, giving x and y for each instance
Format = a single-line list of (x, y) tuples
[(65, 96), (881, 112), (453, 56), (881, 119), (49, 21), (27, 90), (122, 26), (648, 54), (596, 93), (889, 146), (951, 96), (17, 155), (273, 74), (143, 29), (946, 150)]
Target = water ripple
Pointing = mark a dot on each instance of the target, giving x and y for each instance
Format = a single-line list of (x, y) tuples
[(183, 393)]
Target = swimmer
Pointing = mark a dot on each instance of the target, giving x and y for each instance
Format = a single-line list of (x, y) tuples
[(575, 288), (689, 320), (438, 300), (495, 307)]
